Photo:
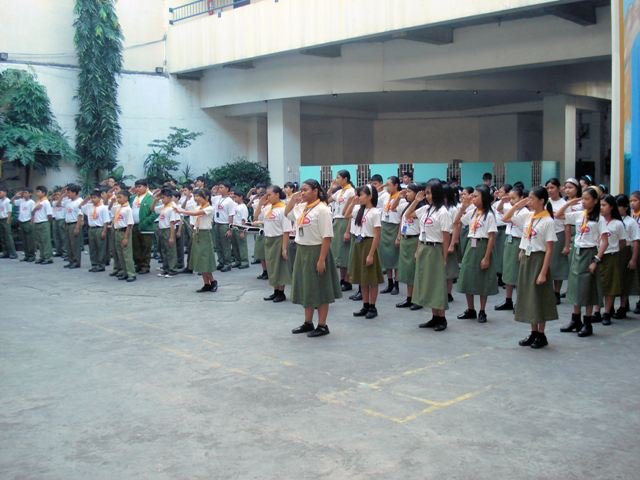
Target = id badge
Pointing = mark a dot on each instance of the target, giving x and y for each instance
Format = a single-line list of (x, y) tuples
[(528, 251), (301, 232), (404, 229), (386, 216), (474, 242), (577, 250), (510, 239), (359, 238), (217, 214)]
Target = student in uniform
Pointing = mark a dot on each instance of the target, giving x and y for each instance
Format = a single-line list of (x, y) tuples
[(258, 248), (41, 219), (634, 203), (25, 204), (277, 228), (560, 261), (289, 189), (376, 182), (477, 272), (430, 289), (585, 289), (122, 225), (511, 251), (453, 260), (407, 242), (611, 269), (239, 249), (167, 220), (98, 219), (144, 219), (629, 256), (350, 235), (501, 236), (460, 231), (224, 208), (536, 298), (203, 258), (365, 264), (59, 234), (188, 202), (74, 219), (315, 281), (339, 247), (6, 237), (389, 252)]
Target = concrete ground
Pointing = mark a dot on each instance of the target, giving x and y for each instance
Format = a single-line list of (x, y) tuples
[(100, 379)]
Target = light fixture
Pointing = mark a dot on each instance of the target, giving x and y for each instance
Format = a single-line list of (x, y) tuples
[(4, 56)]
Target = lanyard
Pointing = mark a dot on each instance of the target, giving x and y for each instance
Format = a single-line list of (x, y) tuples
[(387, 207), (537, 217), (307, 209), (476, 220)]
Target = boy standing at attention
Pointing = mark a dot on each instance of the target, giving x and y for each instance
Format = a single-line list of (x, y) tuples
[(73, 219), (6, 238), (143, 229), (167, 220), (59, 233), (122, 229), (239, 250), (25, 204), (98, 218), (41, 216)]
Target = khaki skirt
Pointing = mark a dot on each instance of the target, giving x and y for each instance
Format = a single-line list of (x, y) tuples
[(611, 274), (498, 249), (462, 243), (584, 289), (258, 248), (510, 260), (389, 253), (359, 271), (559, 262), (203, 259), (277, 267), (352, 243), (339, 247), (473, 280), (430, 285), (407, 260), (630, 285), (291, 251), (535, 303), (309, 288)]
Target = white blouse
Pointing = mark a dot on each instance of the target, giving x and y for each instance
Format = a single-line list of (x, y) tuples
[(557, 205), (433, 223), (615, 230), (314, 226), (543, 230), (341, 197), (275, 222), (587, 236), (480, 226), (370, 221)]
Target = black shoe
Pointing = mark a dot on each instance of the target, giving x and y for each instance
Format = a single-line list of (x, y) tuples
[(468, 315), (46, 262), (280, 297), (620, 314), (540, 341), (442, 325), (637, 309), (430, 324), (225, 269), (186, 270), (271, 297), (527, 342), (98, 269), (507, 305), (563, 295), (304, 328), (574, 325), (396, 289), (242, 267), (346, 287), (389, 288), (143, 271), (587, 329), (482, 317), (68, 265), (501, 284), (597, 318), (320, 331), (13, 257), (415, 307), (372, 312), (606, 319), (356, 297), (406, 304), (214, 286), (92, 270), (255, 262), (235, 265), (557, 298), (131, 279), (73, 265), (122, 277), (449, 298), (114, 274), (362, 312), (205, 288), (39, 261), (263, 276)]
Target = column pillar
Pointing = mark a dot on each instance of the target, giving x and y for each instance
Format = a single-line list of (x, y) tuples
[(283, 133), (257, 151), (559, 134)]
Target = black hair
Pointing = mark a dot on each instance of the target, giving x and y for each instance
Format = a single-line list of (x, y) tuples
[(408, 174), (395, 180), (315, 185), (279, 191), (415, 188), (487, 176), (623, 202), (166, 192), (141, 182), (261, 185), (202, 193), (72, 187), (225, 184), (376, 178), (541, 193), (367, 190), (291, 185), (188, 186), (96, 192), (603, 188), (520, 191), (594, 215), (519, 184), (450, 195), (611, 201), (587, 179), (346, 175), (469, 190), (437, 194), (42, 189), (553, 181), (635, 193), (507, 187), (201, 179), (123, 191), (485, 196)]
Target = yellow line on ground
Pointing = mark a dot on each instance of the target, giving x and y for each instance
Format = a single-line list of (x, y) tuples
[(630, 332)]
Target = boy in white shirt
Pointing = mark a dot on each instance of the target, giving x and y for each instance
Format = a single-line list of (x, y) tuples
[(25, 204), (167, 220), (73, 219), (59, 233), (41, 216), (224, 208), (98, 218), (6, 237), (239, 249), (122, 228)]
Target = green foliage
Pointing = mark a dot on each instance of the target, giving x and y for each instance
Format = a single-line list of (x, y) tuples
[(241, 173), (118, 175), (98, 41), (29, 133), (162, 162), (186, 175)]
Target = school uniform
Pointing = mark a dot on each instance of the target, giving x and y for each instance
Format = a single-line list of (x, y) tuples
[(110, 250), (72, 210), (203, 258), (143, 230), (584, 288), (224, 208), (473, 280), (258, 247), (339, 247), (453, 259), (188, 222), (239, 249), (559, 262), (6, 237), (410, 232), (359, 271), (123, 260), (309, 288), (501, 237), (42, 230), (167, 218), (389, 253), (464, 233), (291, 249), (276, 224), (630, 284), (611, 269), (430, 284), (535, 303), (97, 217), (511, 254), (59, 230), (26, 227)]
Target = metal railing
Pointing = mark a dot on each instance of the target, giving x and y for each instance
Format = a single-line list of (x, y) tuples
[(203, 7)]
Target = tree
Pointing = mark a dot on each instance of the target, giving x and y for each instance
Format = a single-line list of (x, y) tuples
[(98, 41), (241, 173), (29, 133), (161, 162)]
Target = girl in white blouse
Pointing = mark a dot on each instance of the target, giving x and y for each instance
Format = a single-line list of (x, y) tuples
[(560, 261), (630, 255)]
